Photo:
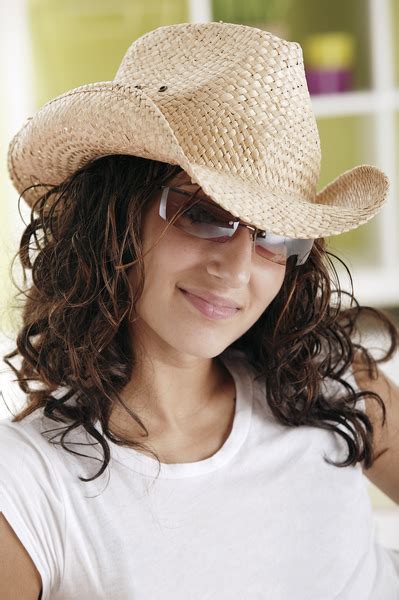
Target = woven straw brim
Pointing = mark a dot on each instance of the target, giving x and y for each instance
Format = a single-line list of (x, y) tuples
[(110, 118), (364, 186)]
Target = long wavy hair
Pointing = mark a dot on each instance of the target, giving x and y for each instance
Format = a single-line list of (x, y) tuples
[(81, 241)]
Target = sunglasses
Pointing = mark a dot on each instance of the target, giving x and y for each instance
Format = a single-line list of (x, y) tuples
[(200, 217)]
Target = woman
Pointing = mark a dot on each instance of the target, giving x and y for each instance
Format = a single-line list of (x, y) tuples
[(184, 327)]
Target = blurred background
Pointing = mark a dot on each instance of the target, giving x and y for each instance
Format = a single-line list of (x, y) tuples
[(351, 53)]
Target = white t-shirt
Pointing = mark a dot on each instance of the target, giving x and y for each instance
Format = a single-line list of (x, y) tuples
[(265, 517)]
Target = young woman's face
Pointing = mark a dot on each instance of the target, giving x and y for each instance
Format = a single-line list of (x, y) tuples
[(176, 321)]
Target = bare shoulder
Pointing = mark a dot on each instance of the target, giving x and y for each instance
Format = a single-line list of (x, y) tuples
[(385, 472), (387, 435), (19, 577)]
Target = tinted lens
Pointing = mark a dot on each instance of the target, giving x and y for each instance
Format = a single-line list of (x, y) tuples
[(272, 247), (198, 217), (278, 248), (201, 218)]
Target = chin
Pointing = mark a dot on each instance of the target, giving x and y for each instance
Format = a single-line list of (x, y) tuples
[(201, 348)]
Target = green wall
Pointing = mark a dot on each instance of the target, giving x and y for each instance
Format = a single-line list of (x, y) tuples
[(82, 41), (5, 223)]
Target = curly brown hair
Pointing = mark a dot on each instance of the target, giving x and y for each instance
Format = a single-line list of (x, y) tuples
[(74, 334)]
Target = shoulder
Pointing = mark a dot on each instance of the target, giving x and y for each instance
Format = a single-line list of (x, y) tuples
[(386, 434), (34, 433), (24, 433), (384, 472), (24, 450)]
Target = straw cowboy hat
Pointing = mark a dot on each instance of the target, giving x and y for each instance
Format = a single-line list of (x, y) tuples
[(229, 104)]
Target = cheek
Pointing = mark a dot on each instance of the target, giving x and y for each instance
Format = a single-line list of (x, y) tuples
[(272, 280), (267, 287), (170, 258), (166, 261)]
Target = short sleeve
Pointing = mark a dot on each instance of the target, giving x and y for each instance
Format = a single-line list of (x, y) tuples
[(30, 499)]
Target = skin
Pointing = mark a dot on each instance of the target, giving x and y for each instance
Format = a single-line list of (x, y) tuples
[(179, 388)]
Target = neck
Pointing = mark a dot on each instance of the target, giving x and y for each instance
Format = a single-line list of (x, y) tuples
[(175, 396)]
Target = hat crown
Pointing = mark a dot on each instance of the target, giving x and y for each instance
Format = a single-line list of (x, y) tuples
[(236, 98), (229, 104)]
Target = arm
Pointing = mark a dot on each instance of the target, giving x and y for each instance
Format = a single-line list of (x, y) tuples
[(19, 577), (385, 471)]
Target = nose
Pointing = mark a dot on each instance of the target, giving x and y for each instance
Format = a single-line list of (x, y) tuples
[(232, 260)]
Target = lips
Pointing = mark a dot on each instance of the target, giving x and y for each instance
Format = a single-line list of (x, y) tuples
[(217, 301), (209, 310)]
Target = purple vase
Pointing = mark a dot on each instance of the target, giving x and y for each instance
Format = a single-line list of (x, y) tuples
[(328, 81)]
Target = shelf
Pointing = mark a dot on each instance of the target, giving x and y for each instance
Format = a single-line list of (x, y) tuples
[(373, 287), (354, 103)]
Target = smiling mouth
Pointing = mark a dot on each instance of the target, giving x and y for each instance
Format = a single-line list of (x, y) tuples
[(209, 310), (212, 298)]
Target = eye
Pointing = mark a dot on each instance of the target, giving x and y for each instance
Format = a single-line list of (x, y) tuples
[(199, 214)]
